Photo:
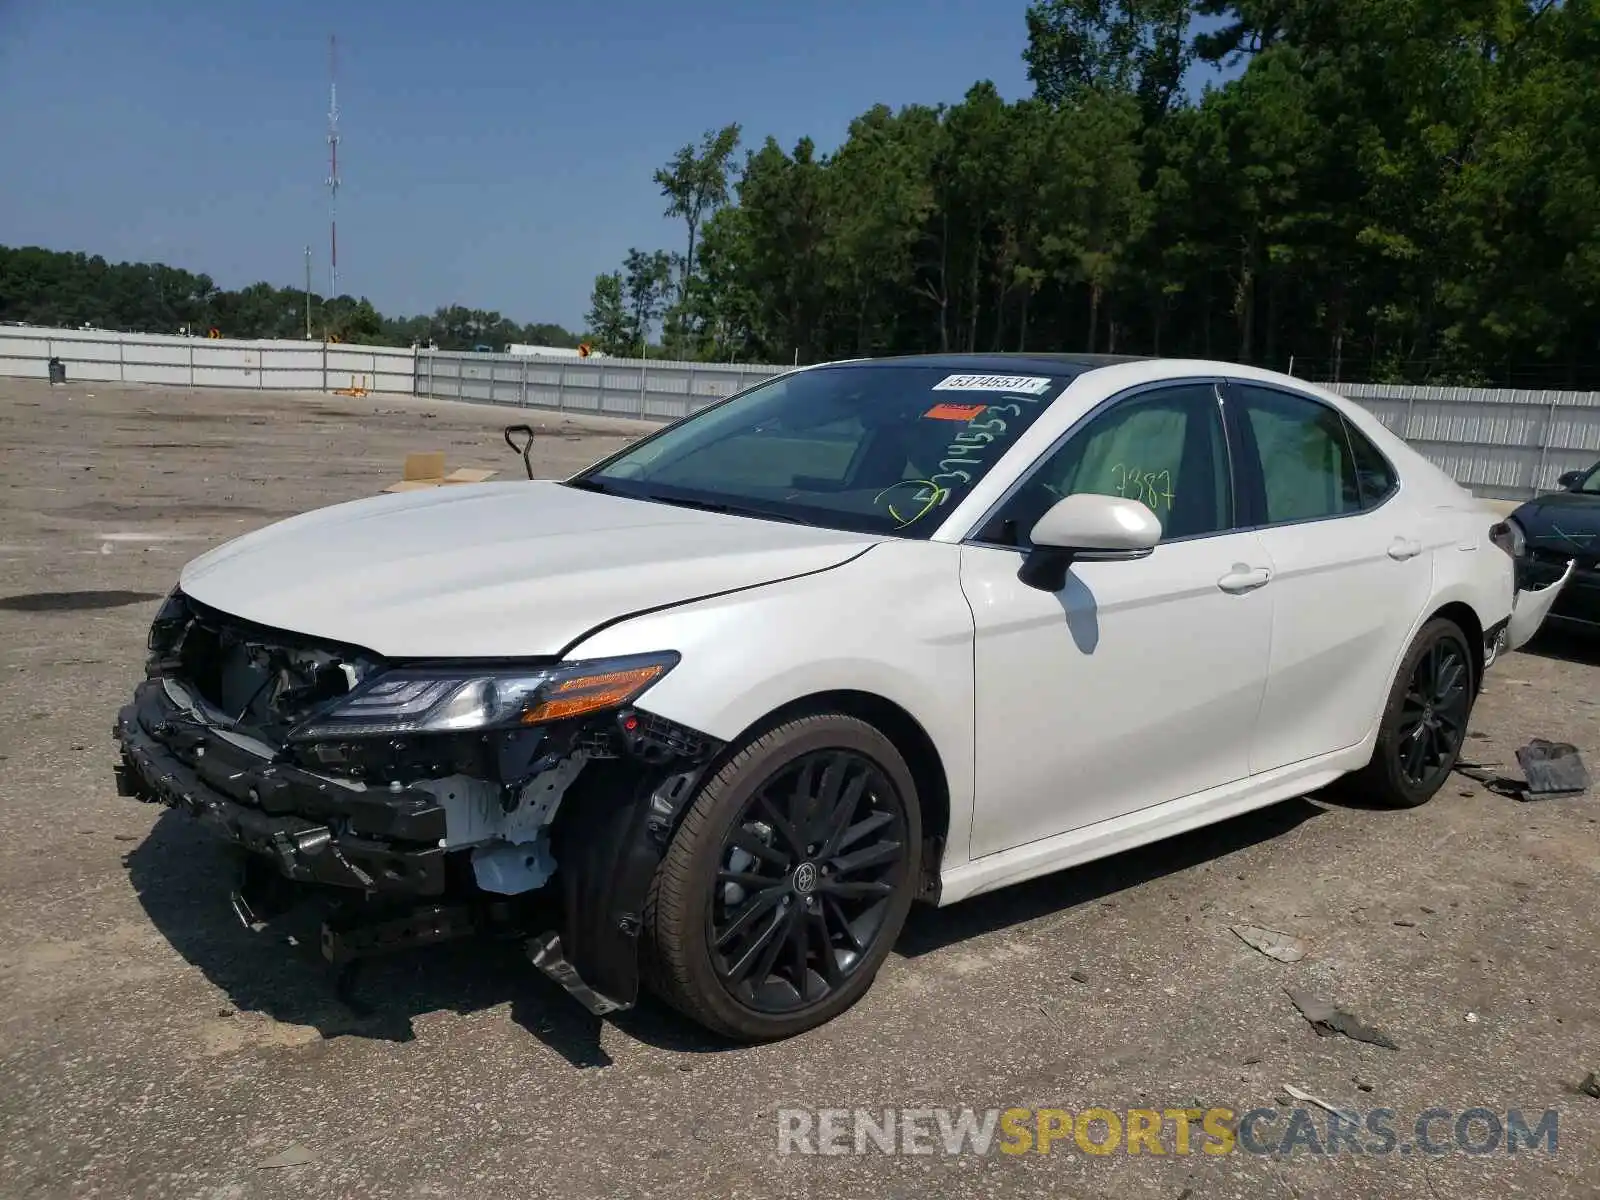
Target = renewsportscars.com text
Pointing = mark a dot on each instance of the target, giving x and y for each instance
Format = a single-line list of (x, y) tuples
[(1164, 1131)]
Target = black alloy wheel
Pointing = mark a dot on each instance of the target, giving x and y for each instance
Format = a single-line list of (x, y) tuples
[(1424, 722), (787, 880), (1433, 715), (808, 871)]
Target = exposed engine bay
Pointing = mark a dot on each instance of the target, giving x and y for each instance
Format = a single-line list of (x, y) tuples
[(427, 797)]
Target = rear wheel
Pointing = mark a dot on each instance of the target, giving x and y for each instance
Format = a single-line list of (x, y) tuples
[(788, 880), (1425, 721)]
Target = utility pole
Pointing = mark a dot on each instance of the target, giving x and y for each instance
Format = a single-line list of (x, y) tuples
[(333, 168), (308, 293)]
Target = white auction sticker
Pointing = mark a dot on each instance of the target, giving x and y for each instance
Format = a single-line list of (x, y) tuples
[(1026, 385)]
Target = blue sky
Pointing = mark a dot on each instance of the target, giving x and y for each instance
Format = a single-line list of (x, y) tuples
[(494, 153)]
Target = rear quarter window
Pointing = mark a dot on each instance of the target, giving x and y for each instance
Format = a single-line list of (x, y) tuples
[(1375, 477)]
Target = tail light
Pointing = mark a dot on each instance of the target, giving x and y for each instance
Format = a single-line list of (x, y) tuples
[(1509, 537)]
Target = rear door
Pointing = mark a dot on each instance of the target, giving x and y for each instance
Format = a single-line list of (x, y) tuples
[(1351, 563)]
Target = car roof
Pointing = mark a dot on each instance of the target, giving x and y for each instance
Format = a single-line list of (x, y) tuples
[(999, 361)]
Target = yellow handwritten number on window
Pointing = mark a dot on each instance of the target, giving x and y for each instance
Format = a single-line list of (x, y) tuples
[(1151, 488)]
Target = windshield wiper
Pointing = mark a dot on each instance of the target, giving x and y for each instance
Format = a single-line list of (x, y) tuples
[(590, 485), (732, 510)]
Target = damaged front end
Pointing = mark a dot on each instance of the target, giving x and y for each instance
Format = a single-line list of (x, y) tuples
[(434, 799)]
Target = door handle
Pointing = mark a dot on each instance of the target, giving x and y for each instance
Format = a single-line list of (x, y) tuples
[(1244, 578), (1403, 548)]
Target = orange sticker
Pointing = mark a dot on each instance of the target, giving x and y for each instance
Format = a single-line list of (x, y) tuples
[(955, 412)]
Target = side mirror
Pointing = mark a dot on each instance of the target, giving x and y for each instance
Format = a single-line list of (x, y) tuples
[(1087, 528), (1570, 480)]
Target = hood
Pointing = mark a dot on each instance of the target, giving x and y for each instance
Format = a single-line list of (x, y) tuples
[(1562, 525), (1562, 506), (497, 569)]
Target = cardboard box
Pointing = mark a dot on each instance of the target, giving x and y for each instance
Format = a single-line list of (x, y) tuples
[(427, 470)]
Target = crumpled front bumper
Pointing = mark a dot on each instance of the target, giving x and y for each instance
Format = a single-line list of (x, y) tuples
[(385, 844), (314, 828)]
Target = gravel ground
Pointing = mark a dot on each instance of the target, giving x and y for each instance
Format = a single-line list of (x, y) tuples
[(149, 1046)]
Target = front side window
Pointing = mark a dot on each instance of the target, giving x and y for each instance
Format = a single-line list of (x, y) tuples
[(874, 448), (1307, 469), (1165, 448)]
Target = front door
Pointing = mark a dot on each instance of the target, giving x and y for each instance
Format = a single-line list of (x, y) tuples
[(1138, 682)]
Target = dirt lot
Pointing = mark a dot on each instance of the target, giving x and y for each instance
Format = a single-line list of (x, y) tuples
[(150, 1046)]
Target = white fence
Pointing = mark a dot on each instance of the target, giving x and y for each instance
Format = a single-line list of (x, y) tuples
[(654, 389), (1502, 444), (102, 356)]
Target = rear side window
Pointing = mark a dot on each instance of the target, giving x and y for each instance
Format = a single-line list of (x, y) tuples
[(1308, 470), (1374, 475)]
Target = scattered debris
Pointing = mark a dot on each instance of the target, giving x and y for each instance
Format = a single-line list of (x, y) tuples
[(1552, 768), (1500, 785), (1079, 977), (1051, 1011), (1284, 947), (1362, 1085), (1404, 924), (1426, 910), (1328, 1020), (1471, 1018), (294, 1155), (1590, 1085), (1306, 1097)]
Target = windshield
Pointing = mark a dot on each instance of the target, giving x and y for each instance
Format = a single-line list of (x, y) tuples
[(873, 448)]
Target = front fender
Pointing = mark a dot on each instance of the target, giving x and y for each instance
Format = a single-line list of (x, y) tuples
[(893, 623)]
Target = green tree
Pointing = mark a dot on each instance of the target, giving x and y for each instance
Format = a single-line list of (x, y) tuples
[(646, 279), (695, 183), (608, 325), (1077, 48)]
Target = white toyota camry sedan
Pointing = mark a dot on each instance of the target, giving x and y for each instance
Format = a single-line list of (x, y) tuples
[(715, 712)]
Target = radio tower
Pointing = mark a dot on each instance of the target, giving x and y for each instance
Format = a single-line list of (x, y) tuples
[(333, 167)]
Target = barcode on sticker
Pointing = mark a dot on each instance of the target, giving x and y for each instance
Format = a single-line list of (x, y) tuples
[(1026, 385)]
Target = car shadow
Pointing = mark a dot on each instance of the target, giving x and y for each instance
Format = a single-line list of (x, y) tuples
[(930, 929), (1565, 645), (183, 875)]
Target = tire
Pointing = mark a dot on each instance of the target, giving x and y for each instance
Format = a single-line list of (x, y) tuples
[(702, 929), (1440, 648)]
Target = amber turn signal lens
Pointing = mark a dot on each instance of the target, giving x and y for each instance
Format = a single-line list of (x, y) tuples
[(591, 693)]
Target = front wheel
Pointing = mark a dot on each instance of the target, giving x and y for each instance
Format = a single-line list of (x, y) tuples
[(1425, 720), (787, 881)]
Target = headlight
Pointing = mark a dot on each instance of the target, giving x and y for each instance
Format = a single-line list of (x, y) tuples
[(409, 700), (170, 621)]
